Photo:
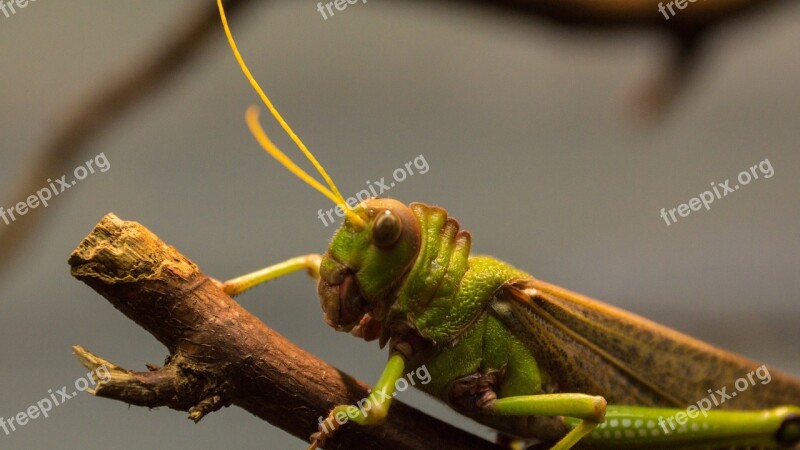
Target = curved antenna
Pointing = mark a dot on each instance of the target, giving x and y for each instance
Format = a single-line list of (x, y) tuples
[(251, 117), (258, 132)]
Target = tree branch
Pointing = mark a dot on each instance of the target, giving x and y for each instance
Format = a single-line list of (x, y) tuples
[(221, 355)]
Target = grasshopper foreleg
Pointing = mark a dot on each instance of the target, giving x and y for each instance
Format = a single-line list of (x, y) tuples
[(240, 284)]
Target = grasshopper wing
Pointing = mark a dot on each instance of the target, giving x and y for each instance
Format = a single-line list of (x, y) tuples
[(587, 346)]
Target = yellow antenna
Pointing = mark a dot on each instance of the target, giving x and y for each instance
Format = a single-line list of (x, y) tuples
[(251, 117), (258, 132)]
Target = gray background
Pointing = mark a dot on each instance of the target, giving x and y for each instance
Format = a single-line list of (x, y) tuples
[(528, 135)]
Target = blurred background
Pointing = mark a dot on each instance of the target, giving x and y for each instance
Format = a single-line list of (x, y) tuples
[(532, 144)]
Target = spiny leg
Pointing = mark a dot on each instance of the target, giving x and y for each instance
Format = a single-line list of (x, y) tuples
[(240, 284), (693, 427)]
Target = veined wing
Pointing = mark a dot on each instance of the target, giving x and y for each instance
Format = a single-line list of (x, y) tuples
[(589, 347)]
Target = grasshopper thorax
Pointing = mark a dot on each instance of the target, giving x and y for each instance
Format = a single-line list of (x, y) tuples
[(364, 264)]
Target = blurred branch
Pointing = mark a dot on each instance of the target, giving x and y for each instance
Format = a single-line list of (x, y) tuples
[(106, 105), (687, 29), (627, 13), (221, 355)]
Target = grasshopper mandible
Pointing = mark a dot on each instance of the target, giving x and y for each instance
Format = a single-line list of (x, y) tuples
[(530, 359)]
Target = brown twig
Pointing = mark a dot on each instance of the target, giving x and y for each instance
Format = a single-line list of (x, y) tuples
[(221, 355)]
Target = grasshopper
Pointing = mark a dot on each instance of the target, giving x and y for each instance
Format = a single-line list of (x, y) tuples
[(532, 360)]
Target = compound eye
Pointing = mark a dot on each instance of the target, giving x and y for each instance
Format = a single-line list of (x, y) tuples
[(386, 230)]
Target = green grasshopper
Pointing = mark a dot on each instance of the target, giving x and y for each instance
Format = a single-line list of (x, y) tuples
[(530, 359)]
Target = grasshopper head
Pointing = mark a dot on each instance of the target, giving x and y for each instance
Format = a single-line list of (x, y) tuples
[(364, 264), (370, 253)]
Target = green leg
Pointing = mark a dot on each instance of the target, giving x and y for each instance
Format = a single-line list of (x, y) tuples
[(240, 284), (642, 427), (588, 410), (369, 411)]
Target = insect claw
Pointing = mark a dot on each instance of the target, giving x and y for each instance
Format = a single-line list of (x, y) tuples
[(323, 433), (317, 439)]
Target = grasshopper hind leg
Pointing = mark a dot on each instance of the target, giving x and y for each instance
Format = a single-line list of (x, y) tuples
[(538, 416)]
